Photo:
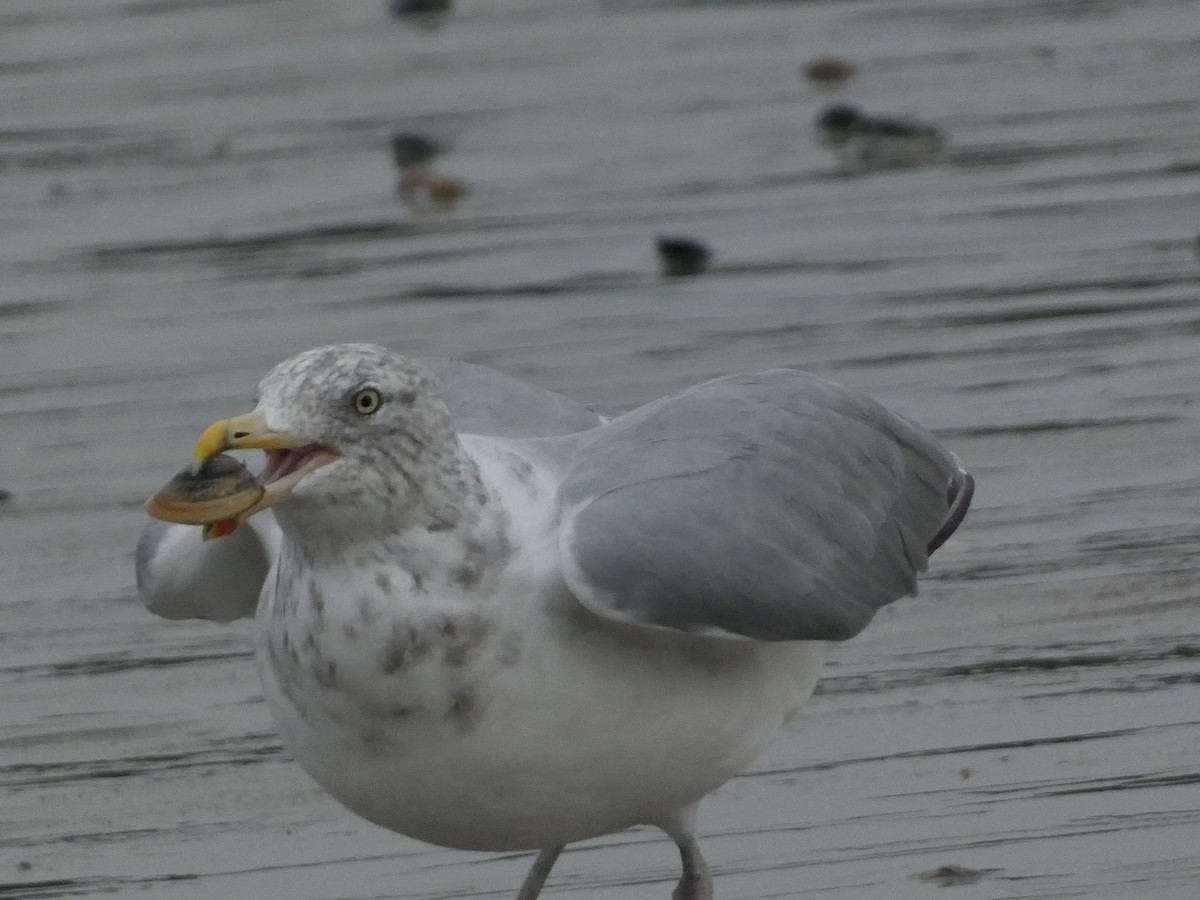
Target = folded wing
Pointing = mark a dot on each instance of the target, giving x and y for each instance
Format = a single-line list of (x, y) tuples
[(775, 506)]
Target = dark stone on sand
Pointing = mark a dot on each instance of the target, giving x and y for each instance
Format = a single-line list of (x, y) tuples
[(952, 875), (410, 148), (681, 256), (404, 8), (828, 70)]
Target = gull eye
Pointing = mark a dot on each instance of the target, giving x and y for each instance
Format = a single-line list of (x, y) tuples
[(366, 401)]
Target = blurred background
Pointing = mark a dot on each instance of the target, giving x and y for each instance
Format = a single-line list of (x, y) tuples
[(193, 190)]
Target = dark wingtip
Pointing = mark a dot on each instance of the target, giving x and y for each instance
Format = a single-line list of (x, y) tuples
[(962, 489)]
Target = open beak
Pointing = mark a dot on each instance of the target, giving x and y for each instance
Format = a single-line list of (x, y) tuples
[(289, 459)]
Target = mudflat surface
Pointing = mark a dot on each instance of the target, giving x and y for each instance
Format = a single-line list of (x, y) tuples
[(190, 192)]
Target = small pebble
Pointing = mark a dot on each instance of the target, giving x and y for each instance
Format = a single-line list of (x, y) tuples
[(410, 148), (426, 14), (682, 256), (828, 71), (952, 875)]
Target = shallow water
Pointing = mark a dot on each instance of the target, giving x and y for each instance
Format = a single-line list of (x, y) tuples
[(190, 192)]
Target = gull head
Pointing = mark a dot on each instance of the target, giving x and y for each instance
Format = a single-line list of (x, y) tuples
[(837, 123), (353, 434)]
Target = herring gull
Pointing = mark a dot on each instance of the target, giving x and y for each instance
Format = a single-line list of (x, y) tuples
[(488, 619)]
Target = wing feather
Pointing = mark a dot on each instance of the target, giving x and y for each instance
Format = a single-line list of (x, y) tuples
[(776, 506)]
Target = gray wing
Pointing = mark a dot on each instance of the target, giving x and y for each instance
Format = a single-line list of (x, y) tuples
[(484, 401), (776, 506), (181, 576)]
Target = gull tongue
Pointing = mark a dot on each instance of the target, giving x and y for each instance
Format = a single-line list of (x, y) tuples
[(279, 464)]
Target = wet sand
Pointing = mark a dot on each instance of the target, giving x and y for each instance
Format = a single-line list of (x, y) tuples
[(191, 192)]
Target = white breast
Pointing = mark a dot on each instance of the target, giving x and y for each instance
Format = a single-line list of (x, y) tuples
[(511, 725)]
